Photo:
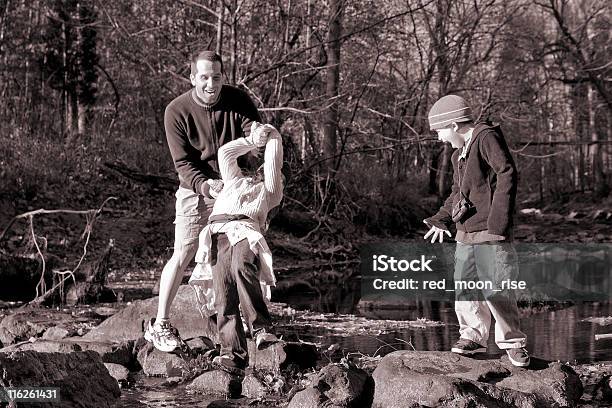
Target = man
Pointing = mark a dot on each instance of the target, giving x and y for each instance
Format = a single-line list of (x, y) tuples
[(481, 205), (197, 123)]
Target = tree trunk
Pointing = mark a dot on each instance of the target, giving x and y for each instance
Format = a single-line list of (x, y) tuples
[(439, 42), (220, 12), (581, 127), (332, 84), (600, 185)]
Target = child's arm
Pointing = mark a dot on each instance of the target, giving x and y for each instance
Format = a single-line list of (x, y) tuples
[(273, 162), (228, 157)]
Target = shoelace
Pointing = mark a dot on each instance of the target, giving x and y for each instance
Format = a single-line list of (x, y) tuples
[(166, 328)]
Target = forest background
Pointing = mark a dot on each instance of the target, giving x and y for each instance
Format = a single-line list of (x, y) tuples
[(84, 85)]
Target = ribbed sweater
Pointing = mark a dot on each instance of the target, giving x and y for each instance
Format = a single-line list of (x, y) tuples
[(195, 130), (241, 195)]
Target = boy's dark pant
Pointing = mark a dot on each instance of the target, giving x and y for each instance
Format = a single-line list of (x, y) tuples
[(236, 282)]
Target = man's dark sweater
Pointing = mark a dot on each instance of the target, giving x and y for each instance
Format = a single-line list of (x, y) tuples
[(488, 179), (195, 131)]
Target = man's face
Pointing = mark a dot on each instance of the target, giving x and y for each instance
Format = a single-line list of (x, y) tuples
[(207, 80), (450, 135)]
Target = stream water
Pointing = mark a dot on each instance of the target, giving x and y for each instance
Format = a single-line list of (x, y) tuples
[(553, 335)]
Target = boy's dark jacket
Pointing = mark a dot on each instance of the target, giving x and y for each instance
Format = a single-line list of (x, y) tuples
[(489, 180)]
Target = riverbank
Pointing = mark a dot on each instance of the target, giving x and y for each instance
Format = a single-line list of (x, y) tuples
[(317, 348)]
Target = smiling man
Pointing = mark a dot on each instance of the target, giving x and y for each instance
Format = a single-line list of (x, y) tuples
[(197, 123), (481, 206)]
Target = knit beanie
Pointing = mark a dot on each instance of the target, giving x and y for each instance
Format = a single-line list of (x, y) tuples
[(449, 109)]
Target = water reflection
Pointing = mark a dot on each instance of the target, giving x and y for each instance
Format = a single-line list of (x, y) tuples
[(150, 393), (553, 335)]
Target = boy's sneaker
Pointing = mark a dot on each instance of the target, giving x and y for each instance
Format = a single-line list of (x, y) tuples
[(163, 335), (519, 357), (465, 346), (263, 338)]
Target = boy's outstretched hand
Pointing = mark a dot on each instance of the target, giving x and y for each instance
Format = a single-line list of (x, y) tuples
[(436, 233)]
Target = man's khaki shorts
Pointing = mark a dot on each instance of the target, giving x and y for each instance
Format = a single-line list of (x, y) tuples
[(192, 211)]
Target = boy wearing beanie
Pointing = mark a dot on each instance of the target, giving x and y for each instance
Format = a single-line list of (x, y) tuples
[(481, 205)]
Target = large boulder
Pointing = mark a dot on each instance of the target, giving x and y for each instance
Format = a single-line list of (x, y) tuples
[(81, 377), (129, 323), (118, 353), (32, 322), (443, 379)]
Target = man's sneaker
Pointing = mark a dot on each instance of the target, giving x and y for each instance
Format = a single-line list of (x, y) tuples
[(465, 346), (519, 357), (264, 338), (163, 335), (229, 365)]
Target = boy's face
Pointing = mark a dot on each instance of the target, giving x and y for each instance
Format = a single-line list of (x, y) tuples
[(449, 135)]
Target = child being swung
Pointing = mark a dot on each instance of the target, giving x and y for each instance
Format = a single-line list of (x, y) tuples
[(234, 261)]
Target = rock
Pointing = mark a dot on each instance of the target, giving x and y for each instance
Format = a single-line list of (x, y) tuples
[(280, 355), (20, 275), (43, 346), (557, 384), (201, 344), (55, 333), (118, 353), (129, 323), (110, 352), (345, 385), (172, 381), (155, 363), (118, 372), (81, 377), (252, 387), (444, 379), (310, 398), (216, 382), (24, 324), (337, 385), (596, 379)]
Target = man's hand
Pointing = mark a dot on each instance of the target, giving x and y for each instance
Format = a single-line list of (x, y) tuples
[(437, 234), (212, 187), (215, 187)]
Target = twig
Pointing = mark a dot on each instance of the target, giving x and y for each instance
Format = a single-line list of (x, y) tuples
[(41, 282), (409, 342), (91, 217), (60, 211), (603, 336)]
